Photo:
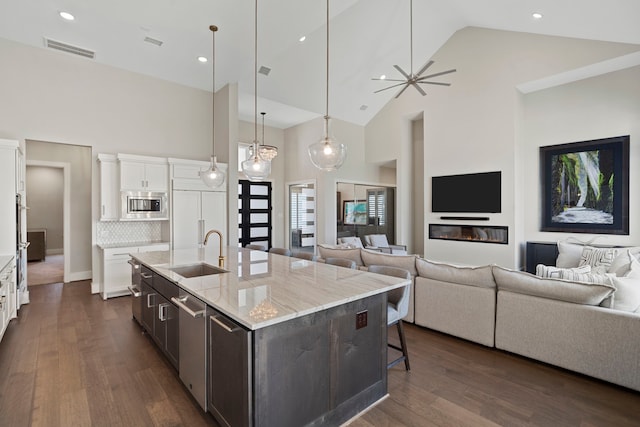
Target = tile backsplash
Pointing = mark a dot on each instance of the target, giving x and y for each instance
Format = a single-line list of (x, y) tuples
[(111, 232)]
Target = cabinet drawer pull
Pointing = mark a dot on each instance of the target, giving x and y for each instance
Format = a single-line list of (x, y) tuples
[(135, 265), (135, 292), (162, 311), (180, 303), (149, 305), (222, 325), (146, 276)]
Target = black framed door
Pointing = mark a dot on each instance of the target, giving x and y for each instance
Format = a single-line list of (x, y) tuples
[(254, 213)]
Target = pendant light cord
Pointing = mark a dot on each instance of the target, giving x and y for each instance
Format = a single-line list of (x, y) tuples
[(255, 79), (327, 95), (213, 29)]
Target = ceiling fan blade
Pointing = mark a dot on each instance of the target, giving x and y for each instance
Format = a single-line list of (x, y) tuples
[(437, 74), (403, 89), (424, 68), (407, 76), (435, 83), (389, 80), (390, 87), (422, 92)]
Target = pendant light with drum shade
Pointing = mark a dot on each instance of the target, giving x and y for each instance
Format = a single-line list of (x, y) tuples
[(255, 167), (266, 152), (213, 177), (327, 154)]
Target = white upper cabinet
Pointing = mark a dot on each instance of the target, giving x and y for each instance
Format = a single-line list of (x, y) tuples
[(141, 173), (109, 188)]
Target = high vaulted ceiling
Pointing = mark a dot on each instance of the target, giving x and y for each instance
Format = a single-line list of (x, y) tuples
[(367, 38)]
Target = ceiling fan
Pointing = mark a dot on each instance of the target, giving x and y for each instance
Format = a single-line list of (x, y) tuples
[(411, 79)]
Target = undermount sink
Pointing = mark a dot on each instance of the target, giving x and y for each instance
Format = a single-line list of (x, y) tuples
[(197, 270)]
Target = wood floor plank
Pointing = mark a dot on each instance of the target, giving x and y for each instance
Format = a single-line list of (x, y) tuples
[(72, 358)]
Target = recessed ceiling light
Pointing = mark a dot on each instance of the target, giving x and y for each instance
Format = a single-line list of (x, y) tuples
[(67, 16), (202, 59), (537, 15), (301, 39), (382, 77)]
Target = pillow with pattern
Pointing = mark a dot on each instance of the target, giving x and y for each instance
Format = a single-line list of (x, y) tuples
[(598, 258), (552, 272)]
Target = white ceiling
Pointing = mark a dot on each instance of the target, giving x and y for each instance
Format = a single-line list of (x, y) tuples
[(367, 38)]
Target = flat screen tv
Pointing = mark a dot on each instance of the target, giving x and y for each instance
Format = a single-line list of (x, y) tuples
[(469, 193)]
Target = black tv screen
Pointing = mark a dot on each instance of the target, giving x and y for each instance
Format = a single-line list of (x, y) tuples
[(469, 193)]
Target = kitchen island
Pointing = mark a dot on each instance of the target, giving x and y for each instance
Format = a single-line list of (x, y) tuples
[(290, 342)]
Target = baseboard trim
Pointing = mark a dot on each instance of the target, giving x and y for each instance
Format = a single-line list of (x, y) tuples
[(59, 251), (79, 275), (95, 287)]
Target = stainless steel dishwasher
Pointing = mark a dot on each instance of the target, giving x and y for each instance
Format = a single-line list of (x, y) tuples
[(136, 291), (193, 345)]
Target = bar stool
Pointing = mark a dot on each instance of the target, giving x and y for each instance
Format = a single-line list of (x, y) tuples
[(397, 308), (309, 256), (341, 262), (280, 251)]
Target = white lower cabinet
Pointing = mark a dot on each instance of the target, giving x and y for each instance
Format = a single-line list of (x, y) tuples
[(196, 212), (116, 274), (7, 295)]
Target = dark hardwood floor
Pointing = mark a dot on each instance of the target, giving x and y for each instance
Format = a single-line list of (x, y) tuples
[(73, 359)]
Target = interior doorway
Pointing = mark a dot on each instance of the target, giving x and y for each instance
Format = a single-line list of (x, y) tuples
[(46, 194), (302, 216)]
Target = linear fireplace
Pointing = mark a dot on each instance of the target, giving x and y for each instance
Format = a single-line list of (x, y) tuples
[(470, 233)]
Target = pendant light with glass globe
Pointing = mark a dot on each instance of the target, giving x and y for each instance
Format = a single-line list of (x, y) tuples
[(327, 154), (255, 167), (213, 177)]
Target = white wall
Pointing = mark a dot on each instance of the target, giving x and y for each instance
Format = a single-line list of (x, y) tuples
[(45, 197), (472, 126), (598, 107), (354, 169)]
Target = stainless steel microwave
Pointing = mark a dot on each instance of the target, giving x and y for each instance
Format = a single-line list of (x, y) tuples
[(144, 205)]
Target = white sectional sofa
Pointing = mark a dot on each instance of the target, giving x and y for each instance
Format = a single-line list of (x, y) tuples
[(590, 328)]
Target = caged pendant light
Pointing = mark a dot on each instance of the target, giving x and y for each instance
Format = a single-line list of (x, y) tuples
[(255, 167), (213, 177), (327, 154)]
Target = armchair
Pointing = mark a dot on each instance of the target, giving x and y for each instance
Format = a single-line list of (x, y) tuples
[(379, 241)]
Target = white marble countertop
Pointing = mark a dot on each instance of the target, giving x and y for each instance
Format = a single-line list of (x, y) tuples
[(263, 289), (129, 244), (5, 260)]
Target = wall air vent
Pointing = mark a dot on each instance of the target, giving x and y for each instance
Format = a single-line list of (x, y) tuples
[(264, 70), (65, 47), (153, 41)]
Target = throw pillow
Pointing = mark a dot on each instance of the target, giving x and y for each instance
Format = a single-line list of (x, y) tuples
[(598, 258), (598, 279), (627, 296), (623, 262), (568, 254), (555, 272), (562, 290)]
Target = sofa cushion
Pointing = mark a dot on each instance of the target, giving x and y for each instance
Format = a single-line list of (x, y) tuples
[(562, 290), (627, 295), (598, 258), (471, 276), (408, 262), (327, 251), (552, 272)]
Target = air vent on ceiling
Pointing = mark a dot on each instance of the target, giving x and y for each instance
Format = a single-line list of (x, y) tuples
[(65, 47), (153, 41), (264, 70), (363, 107)]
